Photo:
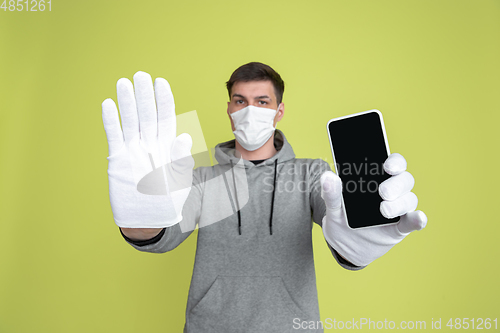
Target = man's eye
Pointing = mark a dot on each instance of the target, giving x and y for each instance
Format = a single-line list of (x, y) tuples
[(262, 102), (239, 101)]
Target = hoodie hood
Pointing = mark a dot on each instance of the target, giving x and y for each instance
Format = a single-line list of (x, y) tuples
[(225, 152)]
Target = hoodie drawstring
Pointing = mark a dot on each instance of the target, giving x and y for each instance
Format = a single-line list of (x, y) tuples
[(237, 201), (272, 198)]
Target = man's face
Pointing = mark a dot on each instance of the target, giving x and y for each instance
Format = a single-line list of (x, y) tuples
[(256, 93)]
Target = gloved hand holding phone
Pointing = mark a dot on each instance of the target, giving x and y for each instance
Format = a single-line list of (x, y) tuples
[(362, 246)]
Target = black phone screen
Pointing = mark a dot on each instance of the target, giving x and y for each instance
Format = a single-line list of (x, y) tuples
[(359, 150)]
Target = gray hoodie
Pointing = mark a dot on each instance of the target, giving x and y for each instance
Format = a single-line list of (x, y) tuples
[(254, 268)]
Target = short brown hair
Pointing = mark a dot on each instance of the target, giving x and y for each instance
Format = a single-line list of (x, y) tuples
[(256, 71)]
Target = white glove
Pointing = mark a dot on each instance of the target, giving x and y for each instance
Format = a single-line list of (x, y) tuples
[(150, 169), (362, 246)]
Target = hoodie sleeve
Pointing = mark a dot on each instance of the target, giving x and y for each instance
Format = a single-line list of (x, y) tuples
[(318, 209), (171, 237)]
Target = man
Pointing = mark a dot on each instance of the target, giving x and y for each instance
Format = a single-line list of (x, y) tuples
[(254, 269)]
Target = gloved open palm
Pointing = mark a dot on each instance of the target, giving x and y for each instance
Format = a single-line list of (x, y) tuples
[(362, 246), (150, 169)]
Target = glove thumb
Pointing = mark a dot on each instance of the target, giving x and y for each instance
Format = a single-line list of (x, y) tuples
[(331, 190), (412, 221), (181, 152)]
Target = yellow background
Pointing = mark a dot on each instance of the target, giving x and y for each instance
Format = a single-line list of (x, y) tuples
[(431, 67)]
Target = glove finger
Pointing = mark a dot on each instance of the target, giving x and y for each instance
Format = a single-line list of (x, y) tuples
[(167, 125), (146, 107), (400, 206), (331, 189), (128, 110), (112, 126), (412, 221), (396, 186), (395, 164)]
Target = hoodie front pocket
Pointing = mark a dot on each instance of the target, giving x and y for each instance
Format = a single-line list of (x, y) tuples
[(245, 304)]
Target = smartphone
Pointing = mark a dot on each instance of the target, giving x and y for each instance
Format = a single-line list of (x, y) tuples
[(359, 148)]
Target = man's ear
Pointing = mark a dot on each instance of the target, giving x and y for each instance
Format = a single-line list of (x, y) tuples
[(229, 115), (279, 114), (281, 111)]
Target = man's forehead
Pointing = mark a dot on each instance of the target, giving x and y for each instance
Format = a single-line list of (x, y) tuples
[(253, 89)]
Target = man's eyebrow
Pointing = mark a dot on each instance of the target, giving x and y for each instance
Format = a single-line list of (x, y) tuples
[(238, 95)]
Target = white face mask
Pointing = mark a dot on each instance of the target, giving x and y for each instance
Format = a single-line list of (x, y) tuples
[(253, 126)]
